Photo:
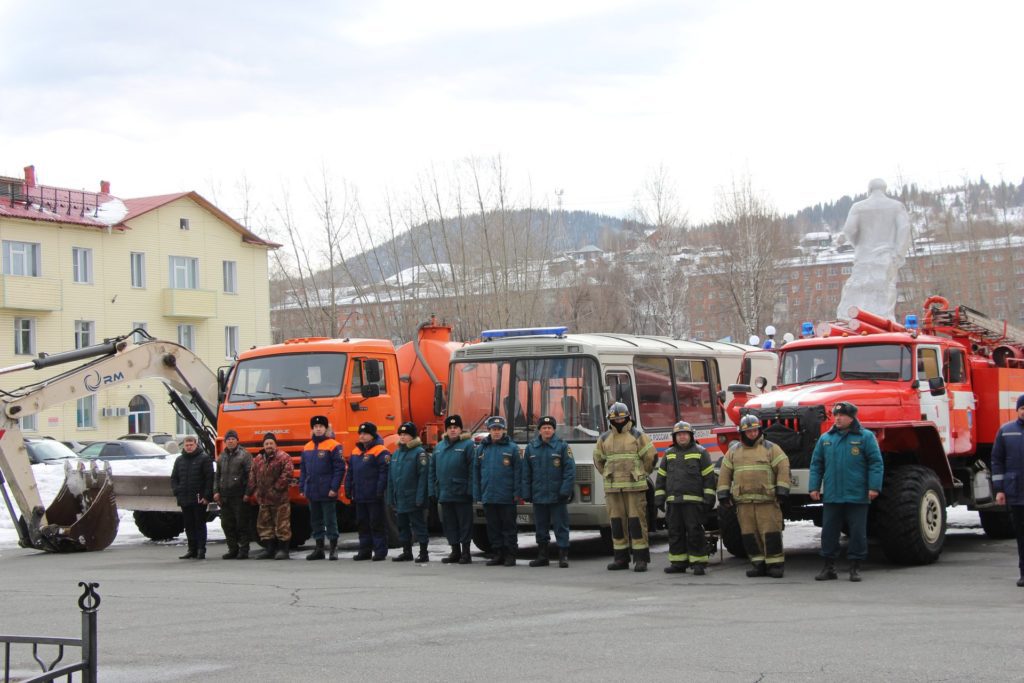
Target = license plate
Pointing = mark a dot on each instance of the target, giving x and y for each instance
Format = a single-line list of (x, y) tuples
[(524, 519)]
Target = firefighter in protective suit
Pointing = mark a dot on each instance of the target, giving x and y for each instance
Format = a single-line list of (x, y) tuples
[(686, 485), (755, 477), (624, 456)]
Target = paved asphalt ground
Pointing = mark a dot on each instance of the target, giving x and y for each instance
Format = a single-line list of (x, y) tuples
[(162, 619)]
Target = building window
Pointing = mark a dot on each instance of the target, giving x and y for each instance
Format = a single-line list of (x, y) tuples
[(183, 223), (795, 275), (138, 337), (230, 277), (25, 336), (138, 269), (81, 265), (84, 330), (140, 415), (847, 270), (184, 272), (183, 427), (832, 270), (21, 258), (29, 423), (818, 286), (85, 412), (187, 336), (231, 341), (794, 288)]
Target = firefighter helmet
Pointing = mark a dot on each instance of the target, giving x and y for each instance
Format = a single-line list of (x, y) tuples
[(618, 411), (749, 422), (682, 427)]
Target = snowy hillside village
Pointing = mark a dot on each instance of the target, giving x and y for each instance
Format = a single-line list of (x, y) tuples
[(728, 279)]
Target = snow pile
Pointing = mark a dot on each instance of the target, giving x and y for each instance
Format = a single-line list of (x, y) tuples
[(111, 212)]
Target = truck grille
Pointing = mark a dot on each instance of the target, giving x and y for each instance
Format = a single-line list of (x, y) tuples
[(584, 474)]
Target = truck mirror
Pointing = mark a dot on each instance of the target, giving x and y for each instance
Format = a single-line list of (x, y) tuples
[(739, 388), (372, 371), (936, 386), (369, 391), (439, 402), (222, 384)]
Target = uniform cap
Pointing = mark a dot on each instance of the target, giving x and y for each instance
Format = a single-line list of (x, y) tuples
[(496, 422), (749, 422), (844, 408), (318, 420), (407, 428), (453, 421), (546, 420), (368, 428)]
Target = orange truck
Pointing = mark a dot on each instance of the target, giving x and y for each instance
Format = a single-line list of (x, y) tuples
[(279, 388), (934, 394)]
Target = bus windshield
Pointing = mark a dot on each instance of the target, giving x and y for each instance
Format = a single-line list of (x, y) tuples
[(293, 375), (524, 390)]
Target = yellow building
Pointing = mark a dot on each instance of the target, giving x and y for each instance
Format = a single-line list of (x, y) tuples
[(79, 267)]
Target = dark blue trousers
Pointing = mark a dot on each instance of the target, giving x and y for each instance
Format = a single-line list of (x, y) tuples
[(1018, 526), (855, 515), (412, 524), (501, 527), (457, 519), (372, 527), (554, 514)]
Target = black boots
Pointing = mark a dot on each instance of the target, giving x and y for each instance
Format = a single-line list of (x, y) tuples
[(333, 554), (677, 568), (317, 554), (454, 556), (268, 552), (620, 562), (563, 558), (243, 552), (201, 553), (423, 556), (406, 554), (542, 556), (855, 571), (640, 566), (698, 570), (510, 558), (1020, 582), (363, 554), (777, 570), (497, 560), (828, 572), (759, 569), (282, 551), (190, 554), (466, 557), (231, 554)]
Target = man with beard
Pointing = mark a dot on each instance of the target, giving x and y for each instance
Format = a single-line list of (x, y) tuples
[(269, 480)]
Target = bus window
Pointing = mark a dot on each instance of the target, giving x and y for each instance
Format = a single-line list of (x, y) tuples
[(621, 387), (693, 392), (654, 391)]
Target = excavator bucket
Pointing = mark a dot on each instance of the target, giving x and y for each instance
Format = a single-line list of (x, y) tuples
[(83, 515)]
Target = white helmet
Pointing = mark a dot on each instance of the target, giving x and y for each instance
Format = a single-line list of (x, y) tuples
[(770, 330), (754, 340), (788, 337)]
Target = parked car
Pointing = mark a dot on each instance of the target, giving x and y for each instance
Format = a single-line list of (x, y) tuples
[(47, 451), (156, 437), (73, 445), (122, 449)]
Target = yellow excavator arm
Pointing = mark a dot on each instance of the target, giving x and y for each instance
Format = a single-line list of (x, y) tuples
[(83, 512)]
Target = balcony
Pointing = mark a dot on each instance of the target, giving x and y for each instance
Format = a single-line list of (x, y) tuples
[(189, 303), (19, 293)]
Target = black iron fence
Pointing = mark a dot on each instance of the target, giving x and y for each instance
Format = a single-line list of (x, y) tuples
[(50, 661)]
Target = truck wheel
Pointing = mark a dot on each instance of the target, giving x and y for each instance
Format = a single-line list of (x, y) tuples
[(301, 528), (729, 531), (480, 537), (159, 526), (997, 524), (911, 516)]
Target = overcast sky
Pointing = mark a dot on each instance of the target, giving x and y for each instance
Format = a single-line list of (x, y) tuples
[(812, 99)]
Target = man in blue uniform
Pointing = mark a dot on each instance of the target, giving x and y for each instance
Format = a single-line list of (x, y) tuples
[(366, 481), (320, 477), (549, 476), (496, 485), (1008, 476), (451, 476)]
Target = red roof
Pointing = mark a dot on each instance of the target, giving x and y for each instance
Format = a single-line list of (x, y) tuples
[(141, 205)]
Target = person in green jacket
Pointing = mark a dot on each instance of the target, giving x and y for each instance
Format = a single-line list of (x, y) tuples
[(451, 476), (407, 492), (846, 475)]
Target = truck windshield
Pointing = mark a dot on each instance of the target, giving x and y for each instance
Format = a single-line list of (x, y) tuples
[(808, 365), (524, 390), (885, 362), (293, 375)]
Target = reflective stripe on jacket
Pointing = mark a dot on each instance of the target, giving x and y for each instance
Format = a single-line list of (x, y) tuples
[(366, 478), (624, 459), (685, 475), (1008, 462), (322, 469), (751, 473)]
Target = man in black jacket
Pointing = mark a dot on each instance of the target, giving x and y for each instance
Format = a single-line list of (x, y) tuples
[(229, 485), (192, 484)]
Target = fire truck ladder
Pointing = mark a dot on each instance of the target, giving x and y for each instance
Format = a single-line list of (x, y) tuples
[(964, 321)]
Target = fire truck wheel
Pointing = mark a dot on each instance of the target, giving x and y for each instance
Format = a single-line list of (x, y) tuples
[(480, 537), (997, 524), (729, 529), (159, 526), (911, 516)]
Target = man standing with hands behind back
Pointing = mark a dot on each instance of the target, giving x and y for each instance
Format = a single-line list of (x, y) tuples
[(846, 473), (1008, 476)]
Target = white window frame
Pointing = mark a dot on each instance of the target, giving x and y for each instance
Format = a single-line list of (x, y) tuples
[(29, 423), (21, 258), (187, 336), (230, 269), (25, 326), (136, 337), (85, 333), (138, 269), (85, 412), (81, 265), (231, 343), (183, 272)]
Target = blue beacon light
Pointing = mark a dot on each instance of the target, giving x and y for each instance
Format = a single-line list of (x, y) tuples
[(524, 332)]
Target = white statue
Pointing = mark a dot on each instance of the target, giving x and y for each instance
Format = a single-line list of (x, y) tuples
[(879, 229)]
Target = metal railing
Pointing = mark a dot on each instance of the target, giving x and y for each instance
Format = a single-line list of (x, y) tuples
[(89, 603)]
